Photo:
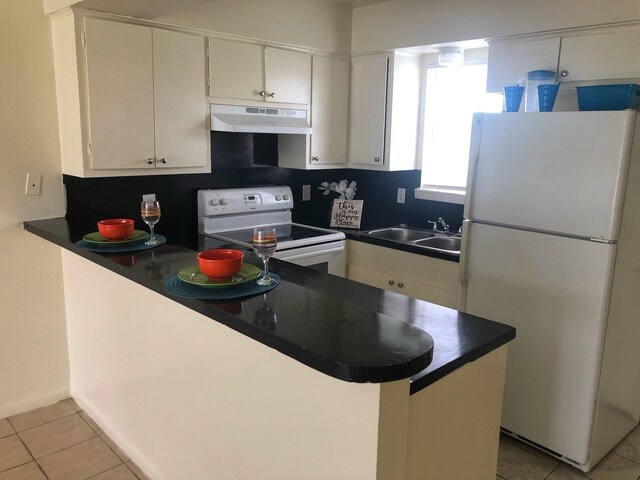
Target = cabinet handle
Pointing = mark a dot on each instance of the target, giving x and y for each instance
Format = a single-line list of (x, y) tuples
[(272, 94), (564, 73), (315, 159), (400, 284), (150, 161), (262, 93), (377, 159), (391, 282), (163, 161)]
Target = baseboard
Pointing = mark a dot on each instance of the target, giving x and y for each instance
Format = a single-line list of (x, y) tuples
[(31, 403), (125, 445)]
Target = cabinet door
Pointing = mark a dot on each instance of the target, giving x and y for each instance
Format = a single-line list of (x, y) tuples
[(367, 122), (329, 110), (236, 70), (179, 92), (425, 292), (120, 90), (287, 76), (510, 60), (603, 56), (371, 277)]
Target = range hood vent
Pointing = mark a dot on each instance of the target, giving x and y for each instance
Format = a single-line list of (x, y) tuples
[(237, 118)]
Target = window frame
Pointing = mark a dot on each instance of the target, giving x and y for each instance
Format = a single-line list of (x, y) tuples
[(448, 194)]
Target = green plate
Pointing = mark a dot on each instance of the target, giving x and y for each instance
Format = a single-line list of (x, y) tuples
[(193, 276), (98, 239)]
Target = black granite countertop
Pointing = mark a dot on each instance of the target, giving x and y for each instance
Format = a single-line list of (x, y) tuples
[(343, 328)]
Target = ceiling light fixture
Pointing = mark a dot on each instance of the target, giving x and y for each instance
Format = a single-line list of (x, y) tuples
[(450, 56)]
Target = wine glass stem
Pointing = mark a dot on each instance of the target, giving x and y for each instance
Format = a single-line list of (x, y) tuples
[(266, 267), (151, 228)]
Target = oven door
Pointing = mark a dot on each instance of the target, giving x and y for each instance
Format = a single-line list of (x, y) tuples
[(326, 257)]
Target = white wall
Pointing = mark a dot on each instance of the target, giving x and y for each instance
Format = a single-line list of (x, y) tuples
[(405, 23), (33, 345), (314, 24)]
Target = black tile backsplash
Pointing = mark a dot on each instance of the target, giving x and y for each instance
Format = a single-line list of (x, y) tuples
[(92, 199)]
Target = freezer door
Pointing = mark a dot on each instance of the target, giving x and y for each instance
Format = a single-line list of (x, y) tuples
[(555, 291), (557, 172)]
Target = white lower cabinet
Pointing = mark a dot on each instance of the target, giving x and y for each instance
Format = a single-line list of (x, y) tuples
[(131, 98), (425, 278)]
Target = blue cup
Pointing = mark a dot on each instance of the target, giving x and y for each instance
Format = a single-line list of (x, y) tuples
[(547, 94), (513, 97)]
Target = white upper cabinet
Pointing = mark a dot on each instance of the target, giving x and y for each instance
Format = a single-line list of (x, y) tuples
[(131, 98), (368, 120), (510, 60), (326, 147), (329, 110), (179, 99), (146, 97), (385, 97), (287, 76), (250, 73), (600, 54), (120, 79), (236, 70)]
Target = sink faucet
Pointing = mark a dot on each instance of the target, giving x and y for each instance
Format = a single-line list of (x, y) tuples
[(434, 225), (444, 224)]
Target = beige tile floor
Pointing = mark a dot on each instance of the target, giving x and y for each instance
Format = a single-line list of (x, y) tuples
[(517, 461), (60, 442)]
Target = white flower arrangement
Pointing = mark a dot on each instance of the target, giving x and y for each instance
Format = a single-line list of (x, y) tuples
[(343, 188)]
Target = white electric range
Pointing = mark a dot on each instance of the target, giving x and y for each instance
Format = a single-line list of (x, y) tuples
[(232, 214)]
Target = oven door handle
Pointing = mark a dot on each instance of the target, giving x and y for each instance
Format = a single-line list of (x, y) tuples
[(311, 254)]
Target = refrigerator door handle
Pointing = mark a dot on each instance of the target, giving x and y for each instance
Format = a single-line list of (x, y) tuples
[(463, 267), (474, 154)]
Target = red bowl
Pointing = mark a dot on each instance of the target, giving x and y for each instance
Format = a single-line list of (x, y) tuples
[(219, 263), (116, 228)]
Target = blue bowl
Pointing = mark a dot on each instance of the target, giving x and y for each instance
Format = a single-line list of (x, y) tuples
[(609, 97)]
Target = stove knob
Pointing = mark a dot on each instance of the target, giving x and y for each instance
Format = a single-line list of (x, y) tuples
[(286, 197), (214, 202), (223, 201), (278, 198)]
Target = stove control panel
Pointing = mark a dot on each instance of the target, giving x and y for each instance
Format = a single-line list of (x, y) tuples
[(234, 201)]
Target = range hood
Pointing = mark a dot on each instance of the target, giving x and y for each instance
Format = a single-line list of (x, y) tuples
[(237, 118)]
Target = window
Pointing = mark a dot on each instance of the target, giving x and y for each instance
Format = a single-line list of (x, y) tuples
[(452, 95)]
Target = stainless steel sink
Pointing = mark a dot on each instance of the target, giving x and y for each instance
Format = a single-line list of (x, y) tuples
[(449, 244), (428, 239), (400, 234)]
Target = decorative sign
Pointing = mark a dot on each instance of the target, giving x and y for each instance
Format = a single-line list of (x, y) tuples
[(346, 213)]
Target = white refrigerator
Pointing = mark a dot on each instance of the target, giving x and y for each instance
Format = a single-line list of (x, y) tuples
[(551, 246)]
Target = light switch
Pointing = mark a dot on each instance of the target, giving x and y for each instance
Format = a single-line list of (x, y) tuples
[(401, 194), (306, 193)]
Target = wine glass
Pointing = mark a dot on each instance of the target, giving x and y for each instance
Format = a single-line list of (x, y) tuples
[(265, 317), (264, 245), (150, 211)]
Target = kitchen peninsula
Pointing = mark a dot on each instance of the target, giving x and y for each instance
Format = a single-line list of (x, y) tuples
[(341, 380)]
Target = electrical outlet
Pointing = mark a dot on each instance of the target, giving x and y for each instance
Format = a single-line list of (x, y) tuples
[(149, 197), (401, 194), (34, 184), (306, 193)]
